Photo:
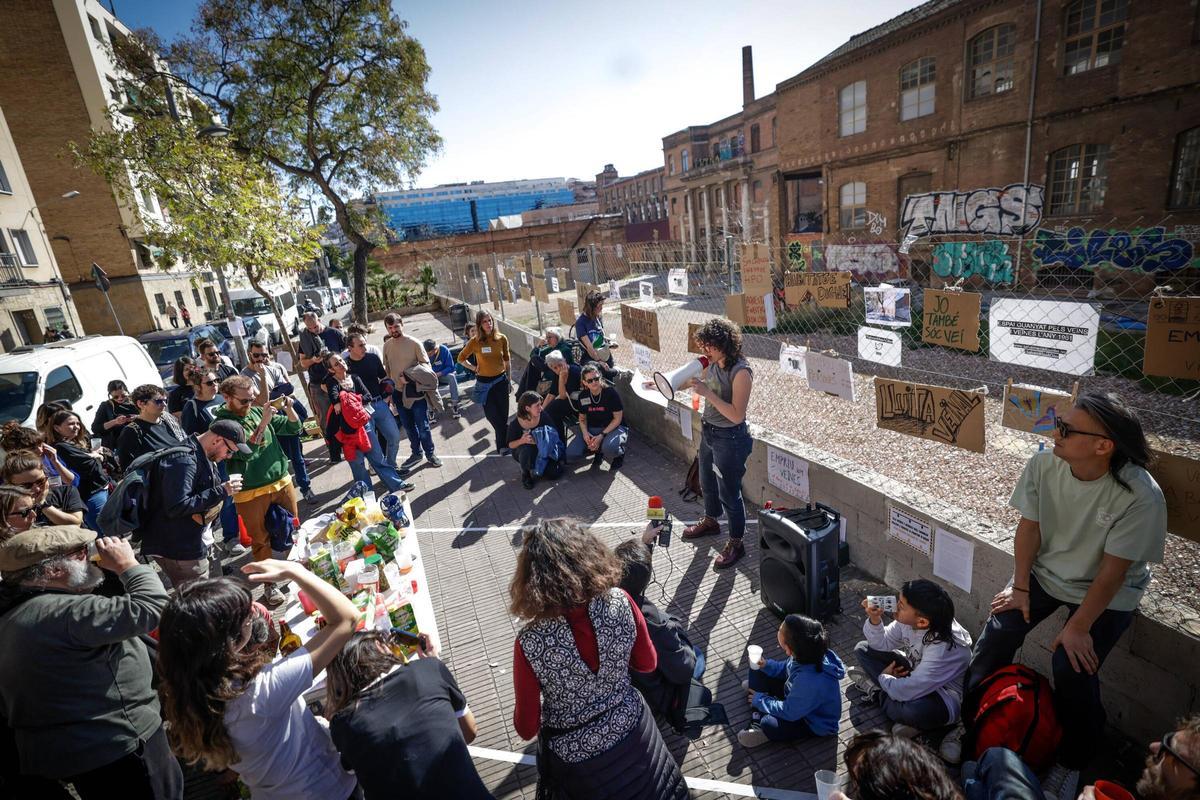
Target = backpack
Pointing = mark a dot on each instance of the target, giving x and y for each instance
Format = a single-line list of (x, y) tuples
[(281, 528), (122, 511), (691, 484), (1015, 710)]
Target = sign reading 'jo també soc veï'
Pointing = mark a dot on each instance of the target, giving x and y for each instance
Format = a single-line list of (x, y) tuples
[(1173, 338), (640, 325), (951, 319), (937, 413), (826, 289)]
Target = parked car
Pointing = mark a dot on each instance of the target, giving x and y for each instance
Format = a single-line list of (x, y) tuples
[(342, 295), (166, 346), (75, 370), (254, 330)]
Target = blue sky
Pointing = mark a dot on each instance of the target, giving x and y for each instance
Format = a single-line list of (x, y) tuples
[(536, 88)]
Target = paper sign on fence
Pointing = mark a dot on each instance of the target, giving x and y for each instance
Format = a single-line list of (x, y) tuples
[(553, 283), (792, 359), (832, 375), (887, 305), (646, 291), (677, 281), (884, 347), (641, 358), (614, 291), (788, 473), (953, 559), (910, 530), (1047, 334)]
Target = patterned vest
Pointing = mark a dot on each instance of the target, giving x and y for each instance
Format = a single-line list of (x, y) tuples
[(585, 713)]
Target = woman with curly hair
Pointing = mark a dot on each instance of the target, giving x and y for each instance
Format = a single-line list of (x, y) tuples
[(74, 446), (228, 705), (571, 662), (725, 441)]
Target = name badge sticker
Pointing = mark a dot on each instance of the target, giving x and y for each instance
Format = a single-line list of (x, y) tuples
[(486, 350)]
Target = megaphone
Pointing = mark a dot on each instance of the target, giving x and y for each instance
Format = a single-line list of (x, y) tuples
[(671, 382)]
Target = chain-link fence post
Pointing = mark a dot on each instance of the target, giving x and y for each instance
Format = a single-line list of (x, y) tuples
[(462, 287), (595, 266), (729, 260), (501, 285), (537, 306)]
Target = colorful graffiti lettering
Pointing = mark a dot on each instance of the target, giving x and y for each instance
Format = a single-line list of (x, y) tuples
[(866, 262), (1013, 210), (1148, 250), (804, 252), (964, 259)]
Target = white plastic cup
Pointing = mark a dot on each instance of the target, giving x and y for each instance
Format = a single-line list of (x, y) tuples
[(827, 782), (235, 480), (754, 653)]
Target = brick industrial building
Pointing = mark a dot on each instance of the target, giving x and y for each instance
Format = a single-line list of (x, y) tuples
[(640, 199)]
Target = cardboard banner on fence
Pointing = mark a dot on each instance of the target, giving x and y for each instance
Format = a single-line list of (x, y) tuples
[(826, 289), (1033, 409), (693, 345), (640, 325), (1173, 338), (526, 294), (751, 310), (951, 319), (566, 314), (830, 375), (756, 269), (540, 291), (936, 413), (537, 265), (1047, 334), (1179, 479)]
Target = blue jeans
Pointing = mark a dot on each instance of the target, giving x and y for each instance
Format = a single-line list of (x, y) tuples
[(416, 423), (295, 452), (229, 517), (723, 454), (698, 671), (1000, 775), (776, 729), (92, 512), (451, 380), (924, 713), (614, 444), (386, 472), (385, 424)]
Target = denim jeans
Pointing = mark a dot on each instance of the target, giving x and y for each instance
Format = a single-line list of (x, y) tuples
[(1000, 775), (92, 512), (416, 424), (385, 426), (723, 454), (1076, 694), (293, 449), (924, 713), (614, 444), (386, 472), (451, 380), (229, 516), (776, 729)]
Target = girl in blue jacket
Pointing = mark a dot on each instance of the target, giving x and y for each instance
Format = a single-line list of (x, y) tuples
[(797, 697)]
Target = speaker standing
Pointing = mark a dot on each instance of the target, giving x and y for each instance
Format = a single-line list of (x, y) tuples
[(725, 441)]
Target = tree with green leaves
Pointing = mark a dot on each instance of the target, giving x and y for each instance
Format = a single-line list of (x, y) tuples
[(330, 92)]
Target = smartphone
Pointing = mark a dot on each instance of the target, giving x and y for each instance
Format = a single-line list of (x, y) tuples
[(663, 527), (882, 602), (408, 638)]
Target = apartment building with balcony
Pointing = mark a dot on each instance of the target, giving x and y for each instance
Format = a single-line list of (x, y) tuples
[(57, 84)]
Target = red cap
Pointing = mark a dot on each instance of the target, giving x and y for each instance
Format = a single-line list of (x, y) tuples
[(655, 502), (369, 550)]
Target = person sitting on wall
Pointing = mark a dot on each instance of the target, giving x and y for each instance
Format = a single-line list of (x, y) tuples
[(443, 365), (552, 343), (601, 431), (560, 401)]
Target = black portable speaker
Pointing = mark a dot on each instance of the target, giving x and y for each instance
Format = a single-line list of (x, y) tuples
[(798, 560)]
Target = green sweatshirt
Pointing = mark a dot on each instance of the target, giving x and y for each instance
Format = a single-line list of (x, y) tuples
[(267, 463), (74, 677)]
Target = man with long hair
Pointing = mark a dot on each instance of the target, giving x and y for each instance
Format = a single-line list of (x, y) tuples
[(1092, 522)]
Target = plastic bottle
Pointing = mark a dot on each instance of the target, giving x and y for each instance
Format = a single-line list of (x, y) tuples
[(289, 642)]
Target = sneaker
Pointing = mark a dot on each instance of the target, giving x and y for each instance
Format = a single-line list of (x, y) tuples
[(597, 460), (730, 554), (745, 686), (703, 527), (1062, 782), (752, 737), (616, 463), (503, 451), (454, 412), (235, 548), (860, 680), (905, 731), (270, 597), (433, 460), (407, 486), (310, 497), (411, 461), (951, 748), (526, 479)]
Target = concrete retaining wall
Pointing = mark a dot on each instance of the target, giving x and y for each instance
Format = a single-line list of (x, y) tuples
[(1150, 679)]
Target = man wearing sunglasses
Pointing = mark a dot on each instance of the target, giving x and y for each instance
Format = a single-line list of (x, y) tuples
[(151, 429), (212, 359), (266, 373), (1092, 522)]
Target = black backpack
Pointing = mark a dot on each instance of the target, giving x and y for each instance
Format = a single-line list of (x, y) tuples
[(122, 512), (692, 489)]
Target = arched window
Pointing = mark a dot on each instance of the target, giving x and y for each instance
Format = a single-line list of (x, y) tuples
[(1185, 177), (990, 60), (917, 84), (1093, 32), (854, 205), (1078, 179), (683, 159)]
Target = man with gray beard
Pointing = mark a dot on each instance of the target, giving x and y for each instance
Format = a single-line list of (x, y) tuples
[(74, 676)]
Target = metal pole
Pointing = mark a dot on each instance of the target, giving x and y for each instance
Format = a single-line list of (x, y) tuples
[(116, 319), (501, 284), (537, 306), (729, 260), (462, 289), (595, 267)]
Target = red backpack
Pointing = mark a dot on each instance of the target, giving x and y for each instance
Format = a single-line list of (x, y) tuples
[(1016, 711)]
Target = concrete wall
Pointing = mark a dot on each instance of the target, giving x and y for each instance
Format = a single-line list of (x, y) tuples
[(1148, 681)]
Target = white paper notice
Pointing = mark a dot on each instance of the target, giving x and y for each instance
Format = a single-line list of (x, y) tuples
[(769, 307), (791, 360), (788, 472), (832, 375), (646, 291), (524, 278), (953, 559), (685, 422), (1045, 334), (881, 346), (641, 358), (677, 281), (914, 532), (553, 284), (614, 291), (237, 327)]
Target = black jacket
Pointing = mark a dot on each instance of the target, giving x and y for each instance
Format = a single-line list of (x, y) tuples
[(666, 689), (181, 489)]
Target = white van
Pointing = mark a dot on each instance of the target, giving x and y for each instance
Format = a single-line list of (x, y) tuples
[(249, 303), (75, 370)]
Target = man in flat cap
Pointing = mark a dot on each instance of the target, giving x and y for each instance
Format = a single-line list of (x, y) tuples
[(74, 677)]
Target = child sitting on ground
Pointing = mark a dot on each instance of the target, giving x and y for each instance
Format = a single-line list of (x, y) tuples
[(920, 688), (797, 697)]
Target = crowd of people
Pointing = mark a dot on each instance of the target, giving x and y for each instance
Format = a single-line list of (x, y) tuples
[(132, 677)]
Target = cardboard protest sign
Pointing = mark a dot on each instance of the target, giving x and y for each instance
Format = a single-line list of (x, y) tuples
[(951, 319), (756, 269), (518, 263), (1179, 479), (826, 289), (540, 291), (1033, 409), (640, 325), (1047, 334), (693, 345), (830, 375), (751, 310), (1173, 338), (537, 266), (566, 313), (936, 413), (581, 293), (526, 294)]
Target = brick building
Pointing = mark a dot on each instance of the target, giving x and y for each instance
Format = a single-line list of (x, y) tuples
[(57, 82), (639, 199)]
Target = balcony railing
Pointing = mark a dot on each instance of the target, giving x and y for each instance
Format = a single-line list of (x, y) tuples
[(713, 164), (10, 270)]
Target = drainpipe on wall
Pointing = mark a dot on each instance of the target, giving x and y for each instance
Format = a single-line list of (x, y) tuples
[(1033, 74)]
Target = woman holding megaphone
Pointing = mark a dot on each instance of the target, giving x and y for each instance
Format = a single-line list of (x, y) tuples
[(725, 441)]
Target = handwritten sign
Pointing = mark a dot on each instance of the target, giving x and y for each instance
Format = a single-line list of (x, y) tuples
[(788, 472), (1173, 338), (677, 281), (566, 313), (1047, 334), (640, 325), (693, 343), (826, 289), (614, 291), (951, 319), (526, 295), (641, 358), (912, 531), (537, 265), (751, 310), (1033, 409), (756, 269), (936, 413), (883, 347), (1179, 479), (539, 290), (646, 291), (792, 360), (518, 263), (830, 375)]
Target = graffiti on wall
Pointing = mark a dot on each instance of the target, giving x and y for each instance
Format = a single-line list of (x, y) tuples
[(873, 262), (989, 259), (876, 223), (1013, 210), (804, 252), (1147, 250)]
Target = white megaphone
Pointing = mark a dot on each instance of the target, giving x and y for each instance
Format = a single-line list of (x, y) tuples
[(671, 382)]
